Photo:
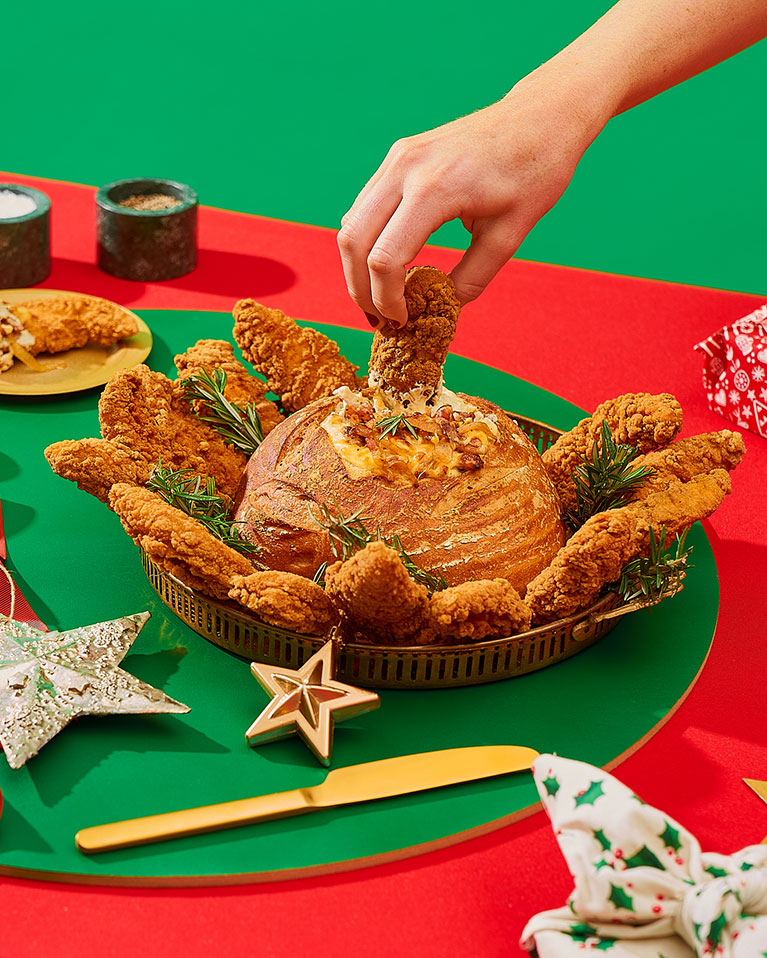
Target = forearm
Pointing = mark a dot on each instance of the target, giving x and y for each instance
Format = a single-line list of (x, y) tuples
[(640, 48)]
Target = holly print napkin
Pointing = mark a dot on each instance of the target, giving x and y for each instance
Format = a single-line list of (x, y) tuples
[(643, 887)]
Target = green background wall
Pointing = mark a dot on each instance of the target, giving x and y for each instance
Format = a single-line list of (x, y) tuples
[(285, 109)]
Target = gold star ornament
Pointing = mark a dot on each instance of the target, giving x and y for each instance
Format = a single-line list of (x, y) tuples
[(307, 701)]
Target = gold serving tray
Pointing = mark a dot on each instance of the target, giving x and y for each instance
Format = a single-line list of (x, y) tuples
[(231, 627)]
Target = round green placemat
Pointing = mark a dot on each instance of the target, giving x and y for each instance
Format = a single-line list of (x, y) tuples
[(76, 566)]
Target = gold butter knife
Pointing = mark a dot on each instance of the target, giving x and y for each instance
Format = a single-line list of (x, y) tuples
[(342, 786)]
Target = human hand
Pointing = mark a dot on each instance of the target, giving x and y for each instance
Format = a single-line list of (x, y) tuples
[(498, 170)]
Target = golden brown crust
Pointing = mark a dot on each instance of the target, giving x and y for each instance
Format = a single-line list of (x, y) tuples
[(300, 365), (149, 417), (377, 595), (689, 457), (285, 600), (405, 359), (241, 386), (598, 551), (69, 322), (643, 420), (177, 543), (500, 521), (477, 610), (96, 465)]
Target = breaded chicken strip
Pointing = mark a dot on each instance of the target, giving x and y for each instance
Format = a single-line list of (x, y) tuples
[(69, 322), (285, 600), (96, 465), (177, 543), (689, 457), (637, 419), (148, 416), (596, 554), (476, 610), (374, 591), (411, 358), (145, 419), (300, 365), (241, 386)]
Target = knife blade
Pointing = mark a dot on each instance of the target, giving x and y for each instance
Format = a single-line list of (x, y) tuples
[(343, 786)]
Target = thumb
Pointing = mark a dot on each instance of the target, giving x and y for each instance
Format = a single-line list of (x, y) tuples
[(490, 249)]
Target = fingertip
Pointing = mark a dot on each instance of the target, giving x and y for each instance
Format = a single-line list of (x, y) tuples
[(375, 321)]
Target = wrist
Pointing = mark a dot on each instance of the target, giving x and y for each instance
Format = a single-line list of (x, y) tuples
[(580, 99)]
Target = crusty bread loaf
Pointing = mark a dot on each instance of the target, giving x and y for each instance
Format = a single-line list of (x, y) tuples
[(501, 521)]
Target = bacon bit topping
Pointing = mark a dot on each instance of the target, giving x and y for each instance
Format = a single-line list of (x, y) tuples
[(470, 461)]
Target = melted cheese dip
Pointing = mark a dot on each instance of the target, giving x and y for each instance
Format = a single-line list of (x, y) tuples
[(452, 439)]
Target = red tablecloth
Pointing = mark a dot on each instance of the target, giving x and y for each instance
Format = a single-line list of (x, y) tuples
[(585, 336)]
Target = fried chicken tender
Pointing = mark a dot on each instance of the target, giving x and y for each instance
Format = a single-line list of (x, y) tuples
[(476, 610), (374, 591), (300, 365), (145, 419), (689, 457), (146, 414), (241, 386), (69, 322), (643, 420), (598, 551), (285, 600), (411, 358), (96, 465), (176, 542)]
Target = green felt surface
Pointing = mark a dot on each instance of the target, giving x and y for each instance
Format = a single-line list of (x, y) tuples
[(287, 109), (76, 566)]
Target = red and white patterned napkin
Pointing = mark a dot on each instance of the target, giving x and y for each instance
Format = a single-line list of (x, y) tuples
[(735, 371)]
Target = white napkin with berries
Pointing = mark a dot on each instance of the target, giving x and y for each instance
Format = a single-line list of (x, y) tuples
[(643, 887)]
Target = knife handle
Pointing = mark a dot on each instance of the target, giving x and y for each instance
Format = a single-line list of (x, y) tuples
[(192, 821)]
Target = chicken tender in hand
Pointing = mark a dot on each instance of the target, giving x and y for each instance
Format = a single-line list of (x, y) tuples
[(476, 610), (596, 554), (411, 359), (241, 386), (637, 419), (300, 365), (285, 600), (377, 595), (176, 542)]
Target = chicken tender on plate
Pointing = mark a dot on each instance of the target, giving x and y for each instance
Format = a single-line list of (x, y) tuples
[(59, 323), (285, 600), (596, 554), (176, 542), (410, 360), (643, 420), (146, 414), (300, 365), (375, 592), (241, 386), (96, 465), (689, 457), (477, 610)]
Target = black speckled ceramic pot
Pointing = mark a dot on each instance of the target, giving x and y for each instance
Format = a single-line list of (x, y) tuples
[(146, 245), (25, 244)]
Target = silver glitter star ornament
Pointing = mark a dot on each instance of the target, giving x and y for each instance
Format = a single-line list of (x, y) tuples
[(49, 678)]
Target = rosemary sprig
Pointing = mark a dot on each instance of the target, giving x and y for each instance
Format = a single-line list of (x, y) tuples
[(349, 534), (390, 424), (659, 574), (239, 427), (605, 479), (197, 497)]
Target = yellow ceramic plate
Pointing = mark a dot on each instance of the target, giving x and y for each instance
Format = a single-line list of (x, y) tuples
[(75, 369)]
